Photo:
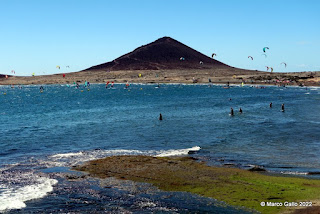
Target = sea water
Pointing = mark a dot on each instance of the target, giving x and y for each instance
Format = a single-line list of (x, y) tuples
[(44, 134)]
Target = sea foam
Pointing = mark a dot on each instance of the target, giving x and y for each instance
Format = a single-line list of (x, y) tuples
[(74, 158), (15, 197), (177, 152)]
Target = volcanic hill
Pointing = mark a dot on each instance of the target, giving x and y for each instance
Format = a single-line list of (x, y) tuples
[(163, 54), (163, 61)]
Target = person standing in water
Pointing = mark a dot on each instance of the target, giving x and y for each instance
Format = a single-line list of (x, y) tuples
[(160, 117), (270, 105), (240, 111), (282, 107), (231, 112)]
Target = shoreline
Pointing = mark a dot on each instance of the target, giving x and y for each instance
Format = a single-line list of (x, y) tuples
[(170, 76), (231, 85), (236, 187)]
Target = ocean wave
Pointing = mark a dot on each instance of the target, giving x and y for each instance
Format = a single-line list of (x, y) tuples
[(18, 185), (293, 173), (69, 159), (314, 88), (64, 155), (14, 197), (74, 158), (177, 152)]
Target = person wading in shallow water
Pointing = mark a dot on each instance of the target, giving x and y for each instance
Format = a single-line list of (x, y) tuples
[(160, 117), (231, 112)]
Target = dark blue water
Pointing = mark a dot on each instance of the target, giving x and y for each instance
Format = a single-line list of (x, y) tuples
[(43, 134)]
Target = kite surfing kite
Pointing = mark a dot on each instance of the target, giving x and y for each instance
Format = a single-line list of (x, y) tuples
[(267, 68), (250, 57), (285, 64), (58, 66), (213, 55), (271, 69), (264, 49), (13, 72)]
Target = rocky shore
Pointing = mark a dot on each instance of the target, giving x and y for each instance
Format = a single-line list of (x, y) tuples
[(234, 186)]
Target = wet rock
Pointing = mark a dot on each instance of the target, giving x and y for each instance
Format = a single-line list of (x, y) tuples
[(257, 169), (313, 173), (75, 177), (229, 164)]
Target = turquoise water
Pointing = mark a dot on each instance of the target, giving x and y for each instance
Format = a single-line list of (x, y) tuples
[(43, 134)]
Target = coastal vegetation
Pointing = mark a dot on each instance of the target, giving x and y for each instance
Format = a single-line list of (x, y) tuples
[(234, 186)]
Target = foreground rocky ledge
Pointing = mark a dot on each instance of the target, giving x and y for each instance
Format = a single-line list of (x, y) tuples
[(233, 186)]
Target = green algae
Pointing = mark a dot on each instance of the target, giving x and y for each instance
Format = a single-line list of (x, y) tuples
[(234, 186)]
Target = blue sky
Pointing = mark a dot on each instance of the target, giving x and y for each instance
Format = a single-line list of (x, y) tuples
[(38, 35)]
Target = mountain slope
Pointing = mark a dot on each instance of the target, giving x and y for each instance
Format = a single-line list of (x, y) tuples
[(164, 53)]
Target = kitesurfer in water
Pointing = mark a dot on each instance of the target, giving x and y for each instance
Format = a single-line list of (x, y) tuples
[(41, 88), (270, 105), (160, 117), (231, 112), (240, 111), (282, 107)]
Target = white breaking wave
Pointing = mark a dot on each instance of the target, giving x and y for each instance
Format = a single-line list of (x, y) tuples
[(65, 155), (177, 152), (146, 204), (15, 198), (293, 173), (313, 88), (69, 159)]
